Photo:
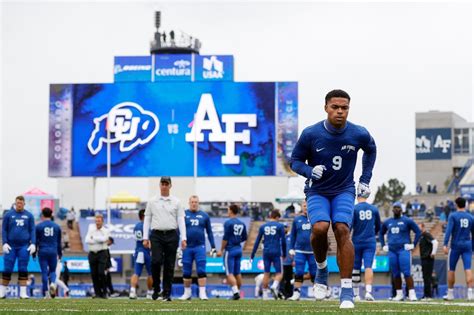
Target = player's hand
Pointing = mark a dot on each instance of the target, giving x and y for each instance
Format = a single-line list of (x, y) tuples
[(219, 254), (183, 244), (31, 249), (363, 190), (317, 172), (385, 248), (179, 253), (292, 252), (146, 243), (213, 252), (6, 248), (445, 250), (409, 246)]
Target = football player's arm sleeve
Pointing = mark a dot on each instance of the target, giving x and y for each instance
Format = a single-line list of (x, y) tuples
[(60, 250), (449, 230), (417, 231), (383, 230), (293, 235), (377, 222), (368, 160), (210, 236), (257, 242), (6, 220), (32, 229), (244, 234), (300, 154), (147, 222), (283, 241)]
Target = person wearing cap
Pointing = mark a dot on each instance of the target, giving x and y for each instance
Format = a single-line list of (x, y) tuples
[(164, 215), (365, 226), (399, 249)]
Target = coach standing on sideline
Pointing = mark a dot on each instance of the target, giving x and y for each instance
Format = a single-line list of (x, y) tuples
[(164, 215), (97, 237)]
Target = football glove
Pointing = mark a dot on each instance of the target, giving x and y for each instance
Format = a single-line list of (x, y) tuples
[(317, 172), (6, 248), (363, 190)]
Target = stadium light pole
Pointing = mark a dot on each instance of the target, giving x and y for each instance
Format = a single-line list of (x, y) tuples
[(108, 171), (195, 160)]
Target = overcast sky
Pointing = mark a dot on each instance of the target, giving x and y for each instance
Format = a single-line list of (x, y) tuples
[(394, 59)]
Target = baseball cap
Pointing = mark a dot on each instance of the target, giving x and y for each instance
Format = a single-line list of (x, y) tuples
[(165, 179), (397, 204)]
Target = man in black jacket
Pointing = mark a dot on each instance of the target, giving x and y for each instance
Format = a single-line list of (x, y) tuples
[(428, 247)]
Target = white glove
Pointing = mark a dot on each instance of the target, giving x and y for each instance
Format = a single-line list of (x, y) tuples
[(179, 253), (409, 246), (6, 248), (385, 248), (291, 252), (251, 261), (213, 252), (363, 190), (31, 249), (318, 172)]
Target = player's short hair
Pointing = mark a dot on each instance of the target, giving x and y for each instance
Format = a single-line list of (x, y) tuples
[(47, 212), (337, 93), (20, 198), (141, 214), (275, 214), (194, 196), (460, 202), (99, 215), (234, 208)]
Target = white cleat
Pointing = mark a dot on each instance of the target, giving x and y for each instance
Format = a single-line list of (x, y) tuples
[(357, 298), (412, 298), (320, 291), (203, 297), (369, 297), (346, 304), (52, 290), (133, 296), (24, 297), (185, 297), (448, 297), (295, 297), (398, 298)]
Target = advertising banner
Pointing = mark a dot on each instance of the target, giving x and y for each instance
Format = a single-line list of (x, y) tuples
[(433, 144), (152, 129)]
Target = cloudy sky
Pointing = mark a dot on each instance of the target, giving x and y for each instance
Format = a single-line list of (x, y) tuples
[(394, 58)]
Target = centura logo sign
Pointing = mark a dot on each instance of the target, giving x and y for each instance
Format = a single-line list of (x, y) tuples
[(129, 125), (207, 109), (181, 68), (213, 68)]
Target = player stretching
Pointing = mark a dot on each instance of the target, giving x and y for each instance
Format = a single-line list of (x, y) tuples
[(19, 238), (365, 225), (197, 224), (48, 238), (274, 249), (300, 248), (399, 249), (460, 228), (326, 155)]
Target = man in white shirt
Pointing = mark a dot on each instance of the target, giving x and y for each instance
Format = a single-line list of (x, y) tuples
[(97, 237), (164, 214)]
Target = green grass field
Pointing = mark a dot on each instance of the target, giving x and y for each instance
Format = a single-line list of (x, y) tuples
[(221, 306)]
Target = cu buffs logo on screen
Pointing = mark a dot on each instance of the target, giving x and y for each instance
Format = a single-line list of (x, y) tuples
[(129, 125)]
